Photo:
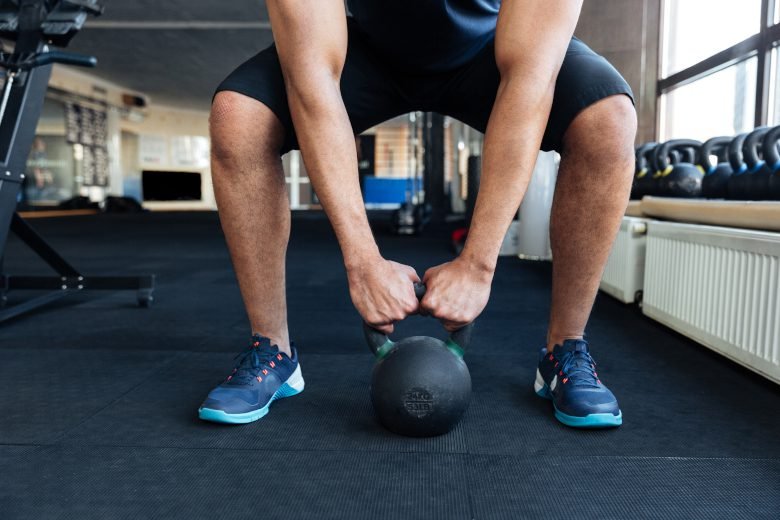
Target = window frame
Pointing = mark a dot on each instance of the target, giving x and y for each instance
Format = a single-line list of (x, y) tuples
[(759, 45)]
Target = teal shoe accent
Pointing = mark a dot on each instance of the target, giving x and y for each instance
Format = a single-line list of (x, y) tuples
[(544, 392), (594, 420), (219, 416)]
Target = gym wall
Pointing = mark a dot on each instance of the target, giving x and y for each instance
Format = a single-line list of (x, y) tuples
[(631, 44), (167, 123)]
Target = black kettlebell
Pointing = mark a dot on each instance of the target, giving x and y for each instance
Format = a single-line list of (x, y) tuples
[(738, 168), (682, 179), (772, 160), (756, 178), (738, 182), (654, 187), (759, 185), (643, 172), (714, 185), (420, 386)]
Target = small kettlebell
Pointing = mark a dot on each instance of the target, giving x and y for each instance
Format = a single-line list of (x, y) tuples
[(682, 179), (643, 174), (420, 386), (771, 165), (714, 185), (755, 181)]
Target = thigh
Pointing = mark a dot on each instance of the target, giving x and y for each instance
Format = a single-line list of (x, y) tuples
[(369, 87), (585, 78)]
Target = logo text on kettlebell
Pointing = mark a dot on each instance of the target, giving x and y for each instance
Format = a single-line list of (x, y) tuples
[(418, 402)]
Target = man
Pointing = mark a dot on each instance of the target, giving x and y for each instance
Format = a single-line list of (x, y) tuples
[(510, 69)]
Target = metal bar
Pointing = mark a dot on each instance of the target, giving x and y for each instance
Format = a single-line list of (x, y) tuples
[(763, 67), (101, 283), (9, 83), (30, 305), (741, 51), (177, 25), (9, 191), (36, 242), (17, 131)]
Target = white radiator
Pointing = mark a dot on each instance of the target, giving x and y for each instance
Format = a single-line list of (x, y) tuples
[(718, 286), (624, 274)]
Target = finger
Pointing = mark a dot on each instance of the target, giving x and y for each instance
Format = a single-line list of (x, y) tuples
[(428, 306), (385, 329), (412, 307), (411, 272), (452, 326)]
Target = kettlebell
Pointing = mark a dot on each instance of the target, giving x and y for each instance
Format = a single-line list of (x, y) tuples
[(643, 173), (737, 189), (654, 185), (772, 163), (738, 166), (755, 180), (420, 386), (714, 185), (684, 178)]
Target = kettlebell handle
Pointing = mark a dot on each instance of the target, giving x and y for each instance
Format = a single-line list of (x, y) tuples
[(771, 155), (736, 158), (750, 147), (714, 146), (662, 152), (380, 344), (641, 155)]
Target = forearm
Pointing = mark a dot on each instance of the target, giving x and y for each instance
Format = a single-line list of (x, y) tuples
[(328, 148), (530, 45), (511, 146), (311, 39)]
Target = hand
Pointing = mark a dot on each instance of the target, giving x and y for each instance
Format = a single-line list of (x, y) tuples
[(383, 292), (456, 293)]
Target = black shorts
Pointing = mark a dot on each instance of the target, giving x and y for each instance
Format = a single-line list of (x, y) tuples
[(374, 90)]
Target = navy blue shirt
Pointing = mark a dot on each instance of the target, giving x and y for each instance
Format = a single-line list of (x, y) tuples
[(427, 35)]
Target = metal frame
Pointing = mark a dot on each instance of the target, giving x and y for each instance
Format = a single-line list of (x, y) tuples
[(759, 45), (20, 108)]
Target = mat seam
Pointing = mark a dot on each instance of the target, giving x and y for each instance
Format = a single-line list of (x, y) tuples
[(458, 454), (58, 439)]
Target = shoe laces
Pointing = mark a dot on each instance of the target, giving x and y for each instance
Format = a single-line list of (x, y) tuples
[(580, 369), (253, 361)]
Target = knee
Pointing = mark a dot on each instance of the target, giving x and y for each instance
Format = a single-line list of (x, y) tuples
[(243, 129), (604, 133)]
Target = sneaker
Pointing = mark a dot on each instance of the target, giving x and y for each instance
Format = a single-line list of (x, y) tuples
[(262, 375), (568, 377)]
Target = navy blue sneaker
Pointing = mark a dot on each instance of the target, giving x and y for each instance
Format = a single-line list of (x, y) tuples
[(262, 375), (568, 377)]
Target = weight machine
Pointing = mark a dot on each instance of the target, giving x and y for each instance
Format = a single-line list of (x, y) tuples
[(35, 25)]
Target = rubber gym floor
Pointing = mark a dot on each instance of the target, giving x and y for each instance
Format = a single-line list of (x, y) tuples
[(99, 398)]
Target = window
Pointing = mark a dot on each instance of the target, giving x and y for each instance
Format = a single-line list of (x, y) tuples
[(697, 29), (722, 103), (719, 68)]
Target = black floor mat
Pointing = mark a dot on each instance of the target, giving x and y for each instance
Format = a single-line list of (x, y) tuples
[(98, 417)]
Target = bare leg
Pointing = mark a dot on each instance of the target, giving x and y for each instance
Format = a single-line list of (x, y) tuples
[(591, 195), (254, 211)]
